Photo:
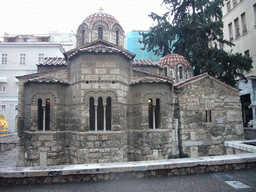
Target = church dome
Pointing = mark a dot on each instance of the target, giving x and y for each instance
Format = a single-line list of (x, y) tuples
[(173, 60), (100, 26), (100, 16)]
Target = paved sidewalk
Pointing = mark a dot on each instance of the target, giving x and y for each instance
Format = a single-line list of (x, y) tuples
[(8, 158), (229, 181)]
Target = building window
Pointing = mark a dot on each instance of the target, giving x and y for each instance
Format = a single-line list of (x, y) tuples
[(157, 113), (100, 33), (150, 113), (22, 59), (43, 115), (230, 29), (100, 115), (82, 36), (92, 114), (254, 11), (16, 107), (234, 3), (154, 113), (4, 59), (40, 57), (165, 71), (40, 115), (3, 107), (117, 37), (108, 114), (180, 72), (208, 116), (2, 87), (26, 39), (243, 19), (247, 53), (228, 6), (237, 29)]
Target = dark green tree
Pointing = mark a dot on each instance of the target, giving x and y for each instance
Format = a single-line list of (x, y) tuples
[(198, 25)]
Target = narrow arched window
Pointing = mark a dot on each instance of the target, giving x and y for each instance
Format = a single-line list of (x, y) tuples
[(108, 114), (100, 115), (157, 113), (82, 36), (40, 115), (180, 72), (100, 33), (47, 114), (117, 37), (92, 114), (150, 113), (165, 71)]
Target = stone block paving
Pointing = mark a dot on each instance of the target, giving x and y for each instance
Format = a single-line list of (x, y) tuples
[(8, 158), (191, 183)]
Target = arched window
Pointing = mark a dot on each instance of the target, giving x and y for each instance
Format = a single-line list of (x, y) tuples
[(150, 113), (47, 114), (100, 115), (40, 115), (92, 114), (154, 114), (165, 71), (180, 72), (108, 114), (117, 37), (82, 36), (157, 113), (100, 33)]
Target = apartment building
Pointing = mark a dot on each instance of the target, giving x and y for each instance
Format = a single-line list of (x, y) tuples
[(239, 17)]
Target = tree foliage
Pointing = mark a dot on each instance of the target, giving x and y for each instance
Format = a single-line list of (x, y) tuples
[(198, 26)]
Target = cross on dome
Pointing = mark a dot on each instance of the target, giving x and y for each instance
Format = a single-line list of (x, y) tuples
[(100, 9)]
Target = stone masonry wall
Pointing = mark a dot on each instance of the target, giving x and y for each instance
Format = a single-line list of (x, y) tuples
[(98, 147), (210, 113)]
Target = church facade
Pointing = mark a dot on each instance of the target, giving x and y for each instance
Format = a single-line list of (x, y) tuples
[(100, 105)]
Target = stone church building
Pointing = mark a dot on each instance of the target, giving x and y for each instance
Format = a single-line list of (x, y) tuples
[(100, 105)]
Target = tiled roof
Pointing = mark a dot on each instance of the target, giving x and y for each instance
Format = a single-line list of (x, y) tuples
[(151, 80), (145, 62), (173, 60), (46, 79), (103, 16), (190, 79), (53, 61), (100, 46), (151, 74)]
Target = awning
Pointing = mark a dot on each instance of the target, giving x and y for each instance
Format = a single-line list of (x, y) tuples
[(10, 36), (42, 36), (3, 79)]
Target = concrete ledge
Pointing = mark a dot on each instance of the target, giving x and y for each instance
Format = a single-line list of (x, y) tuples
[(8, 141), (137, 169), (242, 145)]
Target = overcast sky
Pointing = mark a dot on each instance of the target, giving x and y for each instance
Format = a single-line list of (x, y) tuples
[(42, 16)]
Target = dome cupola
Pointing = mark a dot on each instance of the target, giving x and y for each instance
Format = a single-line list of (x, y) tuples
[(176, 66), (100, 26)]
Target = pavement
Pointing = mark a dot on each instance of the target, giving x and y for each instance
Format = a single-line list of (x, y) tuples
[(244, 180), (8, 158), (229, 181)]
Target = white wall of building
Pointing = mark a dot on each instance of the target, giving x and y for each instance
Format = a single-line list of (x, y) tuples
[(13, 68), (246, 41)]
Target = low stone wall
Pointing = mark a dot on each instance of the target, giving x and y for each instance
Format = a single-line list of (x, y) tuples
[(8, 141), (138, 169), (238, 147), (250, 133)]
